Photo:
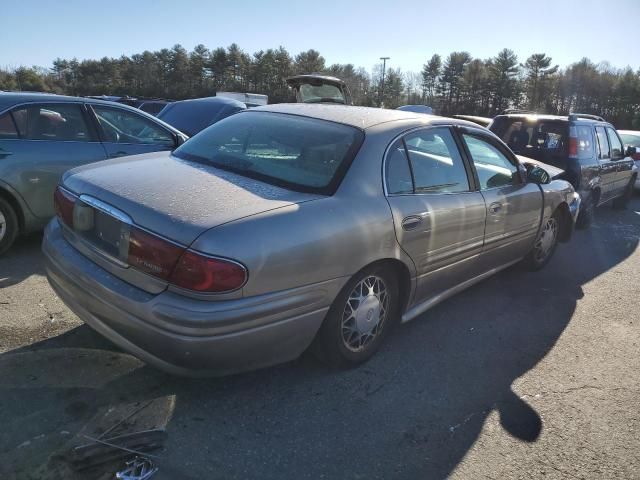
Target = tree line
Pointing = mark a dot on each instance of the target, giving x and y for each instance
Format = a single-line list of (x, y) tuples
[(456, 84)]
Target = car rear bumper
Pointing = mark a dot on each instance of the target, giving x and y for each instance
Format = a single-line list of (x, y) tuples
[(181, 335)]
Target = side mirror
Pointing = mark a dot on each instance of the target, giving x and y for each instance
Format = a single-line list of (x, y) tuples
[(630, 151), (538, 175), (179, 140)]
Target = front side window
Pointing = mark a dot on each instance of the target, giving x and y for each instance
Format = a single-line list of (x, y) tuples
[(617, 151), (53, 122), (603, 144), (435, 161), (493, 167), (299, 153), (7, 127), (121, 126)]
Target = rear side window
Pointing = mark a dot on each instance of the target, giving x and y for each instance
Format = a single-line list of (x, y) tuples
[(52, 122), (435, 161), (584, 135), (617, 151), (7, 127), (397, 170), (603, 144)]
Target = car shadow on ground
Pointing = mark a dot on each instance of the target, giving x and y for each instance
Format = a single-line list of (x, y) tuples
[(19, 263), (413, 411)]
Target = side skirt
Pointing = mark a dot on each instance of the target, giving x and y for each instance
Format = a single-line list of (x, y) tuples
[(433, 301)]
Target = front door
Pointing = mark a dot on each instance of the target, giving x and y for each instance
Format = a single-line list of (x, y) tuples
[(624, 166), (513, 207), (125, 132), (45, 140), (439, 219)]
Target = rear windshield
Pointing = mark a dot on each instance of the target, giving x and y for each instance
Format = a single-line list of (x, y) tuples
[(299, 153), (544, 140), (321, 93)]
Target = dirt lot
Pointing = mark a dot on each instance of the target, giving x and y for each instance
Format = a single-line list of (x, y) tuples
[(522, 376)]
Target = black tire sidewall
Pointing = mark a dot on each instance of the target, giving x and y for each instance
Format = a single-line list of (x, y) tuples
[(585, 217), (12, 225), (332, 348)]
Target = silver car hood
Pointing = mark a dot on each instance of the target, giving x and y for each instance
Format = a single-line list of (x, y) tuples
[(176, 198), (555, 172)]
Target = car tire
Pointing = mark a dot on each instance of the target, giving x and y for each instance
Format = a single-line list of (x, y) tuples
[(359, 319), (587, 212), (9, 226), (545, 244), (622, 201)]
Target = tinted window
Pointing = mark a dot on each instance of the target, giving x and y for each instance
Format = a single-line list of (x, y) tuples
[(7, 127), (397, 170), (603, 143), (296, 152), (584, 135), (617, 151), (191, 117), (531, 136), (54, 122), (493, 167), (435, 161), (121, 126)]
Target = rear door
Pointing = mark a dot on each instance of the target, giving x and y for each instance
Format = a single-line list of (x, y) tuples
[(608, 168), (514, 207), (439, 218), (124, 132), (46, 140)]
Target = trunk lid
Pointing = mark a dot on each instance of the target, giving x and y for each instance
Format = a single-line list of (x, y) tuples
[(175, 198)]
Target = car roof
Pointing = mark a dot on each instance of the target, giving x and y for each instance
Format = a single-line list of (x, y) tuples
[(360, 117), (630, 132), (549, 117), (8, 99), (213, 100)]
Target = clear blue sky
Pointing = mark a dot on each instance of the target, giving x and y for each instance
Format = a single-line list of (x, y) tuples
[(35, 32)]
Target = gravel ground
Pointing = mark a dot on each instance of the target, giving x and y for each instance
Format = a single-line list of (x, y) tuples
[(522, 376)]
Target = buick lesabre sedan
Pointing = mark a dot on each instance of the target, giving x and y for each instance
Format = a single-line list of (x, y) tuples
[(290, 226)]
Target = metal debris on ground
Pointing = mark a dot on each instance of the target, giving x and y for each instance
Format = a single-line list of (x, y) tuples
[(139, 468), (119, 447)]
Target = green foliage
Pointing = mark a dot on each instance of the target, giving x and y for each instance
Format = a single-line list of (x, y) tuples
[(459, 84)]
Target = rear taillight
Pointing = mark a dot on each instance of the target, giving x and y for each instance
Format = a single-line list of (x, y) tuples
[(64, 202), (152, 254), (573, 142), (182, 268), (207, 274)]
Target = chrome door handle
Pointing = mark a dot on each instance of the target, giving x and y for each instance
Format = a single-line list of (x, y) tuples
[(4, 153), (411, 222), (495, 208)]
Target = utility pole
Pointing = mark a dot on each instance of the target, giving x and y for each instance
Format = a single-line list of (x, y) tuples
[(384, 65)]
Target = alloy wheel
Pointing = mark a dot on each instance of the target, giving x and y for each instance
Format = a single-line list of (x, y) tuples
[(547, 240), (364, 313)]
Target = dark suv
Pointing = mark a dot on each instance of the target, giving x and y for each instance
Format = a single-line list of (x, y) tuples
[(587, 148)]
